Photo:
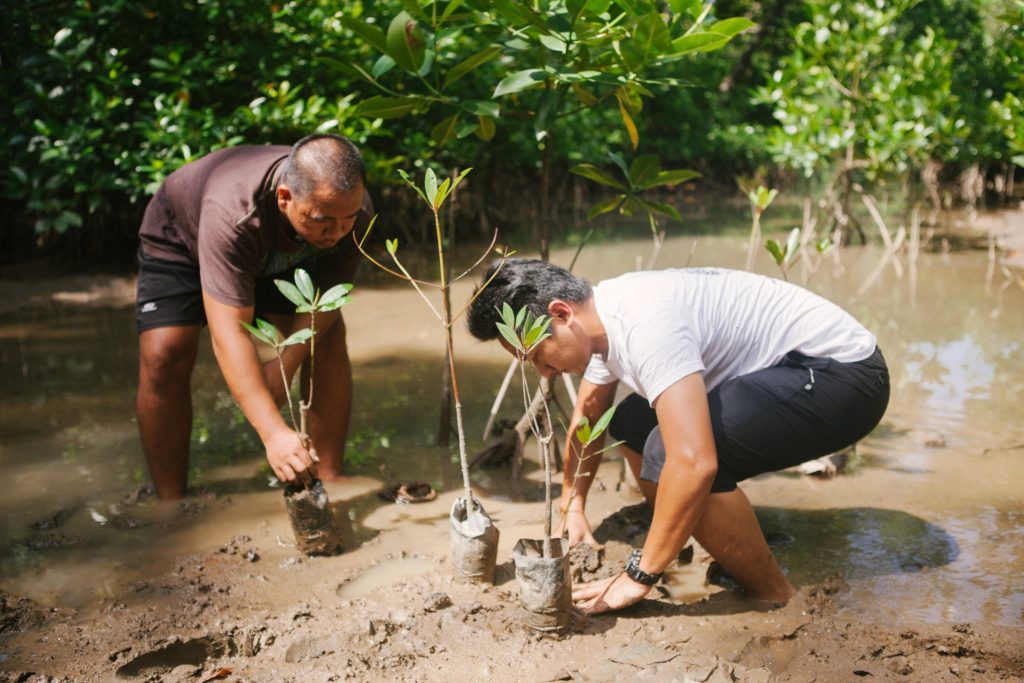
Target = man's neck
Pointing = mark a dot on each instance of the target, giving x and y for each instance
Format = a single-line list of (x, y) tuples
[(593, 327)]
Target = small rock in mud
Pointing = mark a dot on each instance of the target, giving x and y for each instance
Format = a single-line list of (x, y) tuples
[(17, 614), (124, 522), (436, 602), (251, 555), (53, 521), (47, 540), (234, 546)]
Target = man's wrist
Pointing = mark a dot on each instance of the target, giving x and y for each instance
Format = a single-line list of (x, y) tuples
[(638, 575)]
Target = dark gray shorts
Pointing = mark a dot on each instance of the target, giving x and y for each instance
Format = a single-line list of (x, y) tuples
[(801, 409), (169, 294)]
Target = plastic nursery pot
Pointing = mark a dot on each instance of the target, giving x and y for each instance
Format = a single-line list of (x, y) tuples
[(474, 542), (312, 520), (545, 588)]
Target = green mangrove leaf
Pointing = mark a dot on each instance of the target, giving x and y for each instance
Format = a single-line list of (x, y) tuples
[(486, 129), (510, 336), (290, 292), (776, 251), (391, 245), (669, 178), (470, 63), (644, 168), (430, 186), (378, 107), (602, 423), (258, 334), (605, 206), (371, 34), (731, 27), (520, 80), (508, 316), (792, 243), (335, 293), (444, 131), (305, 285), (406, 42), (300, 337), (592, 172)]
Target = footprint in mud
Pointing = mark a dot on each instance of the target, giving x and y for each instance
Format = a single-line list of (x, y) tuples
[(192, 652)]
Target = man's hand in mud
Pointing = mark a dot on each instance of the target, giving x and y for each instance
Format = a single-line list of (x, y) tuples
[(289, 458), (608, 594), (575, 524)]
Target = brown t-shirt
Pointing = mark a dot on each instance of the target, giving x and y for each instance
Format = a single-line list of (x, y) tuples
[(220, 213)]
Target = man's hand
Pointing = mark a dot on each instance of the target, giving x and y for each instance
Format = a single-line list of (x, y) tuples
[(608, 594), (289, 459), (578, 528)]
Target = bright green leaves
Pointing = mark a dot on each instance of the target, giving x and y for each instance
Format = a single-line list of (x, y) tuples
[(783, 254), (470, 63), (307, 298), (587, 434), (379, 107), (643, 174), (433, 194), (761, 198), (522, 330), (520, 80)]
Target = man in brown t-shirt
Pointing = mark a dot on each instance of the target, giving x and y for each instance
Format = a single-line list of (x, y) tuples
[(215, 235)]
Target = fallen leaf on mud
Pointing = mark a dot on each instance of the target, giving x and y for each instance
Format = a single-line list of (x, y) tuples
[(218, 674), (643, 654)]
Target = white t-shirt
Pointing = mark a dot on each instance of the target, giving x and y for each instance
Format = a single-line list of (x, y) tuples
[(664, 325)]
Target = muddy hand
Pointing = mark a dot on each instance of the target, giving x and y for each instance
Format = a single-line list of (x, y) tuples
[(608, 594), (289, 458), (575, 526)]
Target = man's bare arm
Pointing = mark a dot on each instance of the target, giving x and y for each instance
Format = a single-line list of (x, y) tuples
[(236, 354)]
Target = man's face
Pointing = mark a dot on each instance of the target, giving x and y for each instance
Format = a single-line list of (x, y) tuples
[(324, 216), (565, 350)]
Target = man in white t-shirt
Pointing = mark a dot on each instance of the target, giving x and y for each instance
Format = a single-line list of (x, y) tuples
[(733, 374)]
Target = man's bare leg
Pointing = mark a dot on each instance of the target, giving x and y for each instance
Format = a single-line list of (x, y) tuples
[(729, 531), (635, 460), (164, 404), (332, 400)]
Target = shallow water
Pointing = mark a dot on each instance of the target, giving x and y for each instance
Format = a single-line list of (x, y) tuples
[(927, 524)]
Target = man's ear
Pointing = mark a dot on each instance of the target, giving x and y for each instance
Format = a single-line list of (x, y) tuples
[(560, 310), (284, 197)]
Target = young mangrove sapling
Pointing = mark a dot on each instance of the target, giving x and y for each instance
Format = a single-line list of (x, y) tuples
[(308, 507), (474, 537)]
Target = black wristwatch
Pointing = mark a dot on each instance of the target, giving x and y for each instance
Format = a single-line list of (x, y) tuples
[(634, 572)]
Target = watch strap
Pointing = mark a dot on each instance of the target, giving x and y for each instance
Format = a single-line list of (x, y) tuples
[(634, 572)]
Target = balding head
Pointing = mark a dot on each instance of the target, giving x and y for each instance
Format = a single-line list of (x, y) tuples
[(329, 160)]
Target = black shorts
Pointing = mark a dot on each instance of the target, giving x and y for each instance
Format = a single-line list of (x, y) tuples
[(801, 409), (169, 294)]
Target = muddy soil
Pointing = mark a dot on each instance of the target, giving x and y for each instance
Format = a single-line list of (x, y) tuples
[(255, 609)]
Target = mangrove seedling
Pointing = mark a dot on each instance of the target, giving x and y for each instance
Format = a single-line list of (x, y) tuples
[(308, 507), (760, 199), (542, 567), (474, 538)]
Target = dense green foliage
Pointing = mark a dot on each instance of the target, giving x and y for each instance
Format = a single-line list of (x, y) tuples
[(103, 99)]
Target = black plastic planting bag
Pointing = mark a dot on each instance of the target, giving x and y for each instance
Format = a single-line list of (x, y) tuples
[(312, 520), (545, 588), (474, 542)]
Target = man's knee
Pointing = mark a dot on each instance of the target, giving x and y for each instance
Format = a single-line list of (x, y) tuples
[(167, 355)]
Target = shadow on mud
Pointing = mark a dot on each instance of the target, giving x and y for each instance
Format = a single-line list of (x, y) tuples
[(812, 545)]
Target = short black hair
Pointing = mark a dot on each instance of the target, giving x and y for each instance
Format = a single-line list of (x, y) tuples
[(323, 158), (522, 282)]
